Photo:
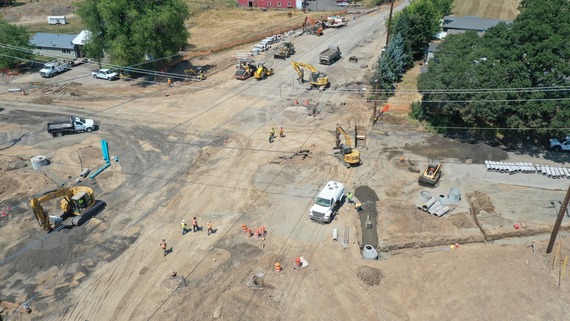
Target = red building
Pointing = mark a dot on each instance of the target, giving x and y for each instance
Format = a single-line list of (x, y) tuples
[(267, 3)]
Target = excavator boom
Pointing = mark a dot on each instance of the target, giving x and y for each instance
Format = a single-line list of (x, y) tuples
[(347, 155), (316, 78)]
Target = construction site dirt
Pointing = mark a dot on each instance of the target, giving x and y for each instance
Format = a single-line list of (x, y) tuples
[(200, 149)]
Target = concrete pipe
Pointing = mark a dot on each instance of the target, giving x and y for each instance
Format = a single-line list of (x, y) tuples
[(335, 234), (512, 168), (553, 172), (548, 173), (488, 165), (539, 168), (39, 161), (562, 174), (85, 172), (435, 208), (543, 170), (442, 211), (532, 168), (425, 196), (496, 167), (566, 172), (369, 253), (522, 167), (504, 167), (454, 195), (428, 204), (442, 199)]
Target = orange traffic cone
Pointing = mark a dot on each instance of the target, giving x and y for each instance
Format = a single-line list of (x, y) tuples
[(248, 233), (306, 102), (262, 231), (23, 92), (296, 102), (256, 233), (278, 268), (243, 228), (298, 263)]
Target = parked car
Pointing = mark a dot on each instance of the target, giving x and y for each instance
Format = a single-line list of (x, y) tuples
[(342, 4), (557, 145), (108, 74)]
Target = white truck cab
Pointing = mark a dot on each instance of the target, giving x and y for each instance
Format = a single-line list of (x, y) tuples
[(327, 202)]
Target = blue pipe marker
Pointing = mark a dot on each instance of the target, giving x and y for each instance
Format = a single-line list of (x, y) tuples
[(105, 150)]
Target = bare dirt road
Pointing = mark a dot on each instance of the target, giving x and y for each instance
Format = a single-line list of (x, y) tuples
[(200, 149)]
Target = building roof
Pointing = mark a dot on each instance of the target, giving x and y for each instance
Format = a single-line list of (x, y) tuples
[(470, 23), (53, 40), (433, 47), (81, 38)]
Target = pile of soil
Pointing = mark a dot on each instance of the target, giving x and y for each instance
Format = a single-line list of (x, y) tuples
[(370, 275), (438, 147)]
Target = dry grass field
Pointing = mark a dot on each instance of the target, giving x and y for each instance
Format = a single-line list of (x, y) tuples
[(491, 9)]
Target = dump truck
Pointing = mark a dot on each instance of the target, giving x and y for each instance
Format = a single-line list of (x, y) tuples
[(74, 125), (53, 68), (330, 55)]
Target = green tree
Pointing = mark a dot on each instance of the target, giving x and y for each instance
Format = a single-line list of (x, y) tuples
[(132, 31), (504, 79), (14, 45)]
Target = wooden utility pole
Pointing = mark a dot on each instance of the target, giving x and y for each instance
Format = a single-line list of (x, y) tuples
[(389, 23), (558, 222)]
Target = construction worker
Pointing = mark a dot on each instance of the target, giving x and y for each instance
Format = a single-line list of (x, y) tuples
[(209, 227), (349, 197), (169, 82), (281, 132), (183, 226), (164, 246), (195, 225), (271, 134)]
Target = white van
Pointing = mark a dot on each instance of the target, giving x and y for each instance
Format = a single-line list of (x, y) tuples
[(327, 202)]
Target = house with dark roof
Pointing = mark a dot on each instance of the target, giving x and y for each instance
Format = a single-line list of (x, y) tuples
[(432, 48), (455, 25), (56, 45)]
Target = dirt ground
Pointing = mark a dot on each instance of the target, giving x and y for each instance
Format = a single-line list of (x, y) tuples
[(200, 149)]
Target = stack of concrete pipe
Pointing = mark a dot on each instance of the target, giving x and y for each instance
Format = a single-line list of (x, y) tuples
[(527, 168), (434, 207)]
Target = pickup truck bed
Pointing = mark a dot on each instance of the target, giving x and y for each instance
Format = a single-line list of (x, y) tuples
[(59, 126)]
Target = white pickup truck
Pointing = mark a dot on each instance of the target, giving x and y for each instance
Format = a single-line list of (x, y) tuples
[(327, 202), (557, 145), (53, 68), (108, 74)]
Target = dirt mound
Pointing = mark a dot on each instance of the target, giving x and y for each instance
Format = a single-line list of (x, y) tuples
[(34, 10), (437, 147), (480, 202), (370, 275)]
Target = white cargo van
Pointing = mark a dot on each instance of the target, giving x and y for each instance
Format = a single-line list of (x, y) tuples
[(327, 202)]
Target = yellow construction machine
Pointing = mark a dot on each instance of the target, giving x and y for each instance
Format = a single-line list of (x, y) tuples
[(195, 75), (317, 79), (262, 72), (78, 201), (285, 50), (431, 175), (347, 155), (14, 307)]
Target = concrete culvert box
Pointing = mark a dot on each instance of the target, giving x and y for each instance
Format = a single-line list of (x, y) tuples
[(369, 252), (39, 161), (454, 195)]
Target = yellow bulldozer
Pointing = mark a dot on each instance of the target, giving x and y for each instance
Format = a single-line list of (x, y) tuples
[(78, 201), (345, 153), (317, 79), (262, 72)]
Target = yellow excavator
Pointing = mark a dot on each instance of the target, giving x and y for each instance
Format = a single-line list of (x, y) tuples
[(195, 75), (78, 201), (262, 72), (317, 79), (347, 155), (14, 307)]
